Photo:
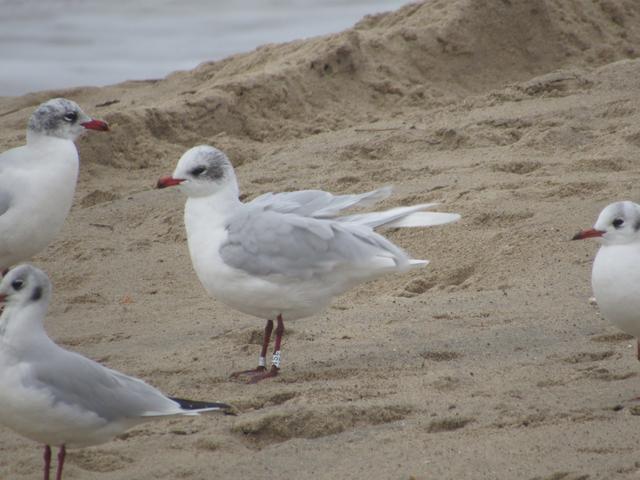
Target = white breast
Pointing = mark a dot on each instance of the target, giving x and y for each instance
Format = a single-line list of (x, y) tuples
[(616, 285), (42, 193), (262, 297)]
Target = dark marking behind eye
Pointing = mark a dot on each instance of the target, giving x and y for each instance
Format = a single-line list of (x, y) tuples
[(212, 172), (215, 172), (37, 294)]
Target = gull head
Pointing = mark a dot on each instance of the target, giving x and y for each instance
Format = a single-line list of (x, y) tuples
[(62, 118), (24, 285), (618, 223), (201, 171)]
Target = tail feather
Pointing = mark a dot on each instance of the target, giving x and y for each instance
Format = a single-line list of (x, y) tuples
[(424, 219), (194, 406), (412, 216), (417, 263)]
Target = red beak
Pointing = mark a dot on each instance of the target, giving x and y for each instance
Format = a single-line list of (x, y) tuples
[(165, 182), (2, 298), (590, 233), (96, 125)]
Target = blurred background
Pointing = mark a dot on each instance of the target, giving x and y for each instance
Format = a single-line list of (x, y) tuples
[(47, 44)]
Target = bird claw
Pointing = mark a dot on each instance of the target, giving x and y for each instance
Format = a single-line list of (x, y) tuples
[(273, 372), (255, 371)]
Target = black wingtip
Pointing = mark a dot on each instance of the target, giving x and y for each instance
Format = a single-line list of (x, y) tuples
[(197, 405)]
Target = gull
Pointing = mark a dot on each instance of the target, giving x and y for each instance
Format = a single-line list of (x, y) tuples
[(615, 277), (38, 180), (60, 398), (284, 256)]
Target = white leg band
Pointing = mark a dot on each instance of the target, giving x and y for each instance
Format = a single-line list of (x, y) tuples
[(275, 361), (262, 362)]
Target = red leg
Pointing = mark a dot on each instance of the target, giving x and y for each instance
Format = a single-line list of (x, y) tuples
[(265, 343), (62, 453), (47, 461), (263, 354), (638, 350), (275, 361)]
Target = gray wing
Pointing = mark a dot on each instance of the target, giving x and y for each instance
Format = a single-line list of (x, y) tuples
[(74, 380), (264, 242), (317, 203)]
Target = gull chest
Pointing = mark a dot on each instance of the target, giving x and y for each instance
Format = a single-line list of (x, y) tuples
[(616, 285), (204, 240)]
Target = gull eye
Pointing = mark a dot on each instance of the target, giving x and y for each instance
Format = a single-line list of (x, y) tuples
[(617, 223), (71, 117), (198, 171), (17, 284)]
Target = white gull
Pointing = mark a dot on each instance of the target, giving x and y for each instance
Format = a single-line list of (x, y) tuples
[(60, 398), (615, 277), (284, 256), (38, 180)]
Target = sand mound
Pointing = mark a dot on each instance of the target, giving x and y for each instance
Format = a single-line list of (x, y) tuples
[(422, 56)]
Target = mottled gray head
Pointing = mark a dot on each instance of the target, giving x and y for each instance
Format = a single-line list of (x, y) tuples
[(619, 223), (201, 171), (25, 284), (62, 118)]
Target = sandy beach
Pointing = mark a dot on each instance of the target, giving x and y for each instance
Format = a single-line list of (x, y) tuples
[(490, 363)]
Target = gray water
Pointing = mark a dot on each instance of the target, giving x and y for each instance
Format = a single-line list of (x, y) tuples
[(47, 44)]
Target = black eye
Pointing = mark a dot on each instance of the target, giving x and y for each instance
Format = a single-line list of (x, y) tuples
[(71, 117), (618, 222), (197, 171), (17, 284)]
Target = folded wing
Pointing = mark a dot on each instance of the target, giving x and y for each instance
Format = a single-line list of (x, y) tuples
[(76, 381), (266, 242)]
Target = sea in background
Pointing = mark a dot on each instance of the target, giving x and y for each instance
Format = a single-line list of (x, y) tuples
[(47, 44)]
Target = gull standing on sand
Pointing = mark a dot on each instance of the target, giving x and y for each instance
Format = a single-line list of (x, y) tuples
[(60, 398), (38, 180), (284, 256), (615, 277)]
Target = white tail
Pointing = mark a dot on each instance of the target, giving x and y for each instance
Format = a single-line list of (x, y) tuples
[(412, 216), (424, 219), (417, 263)]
